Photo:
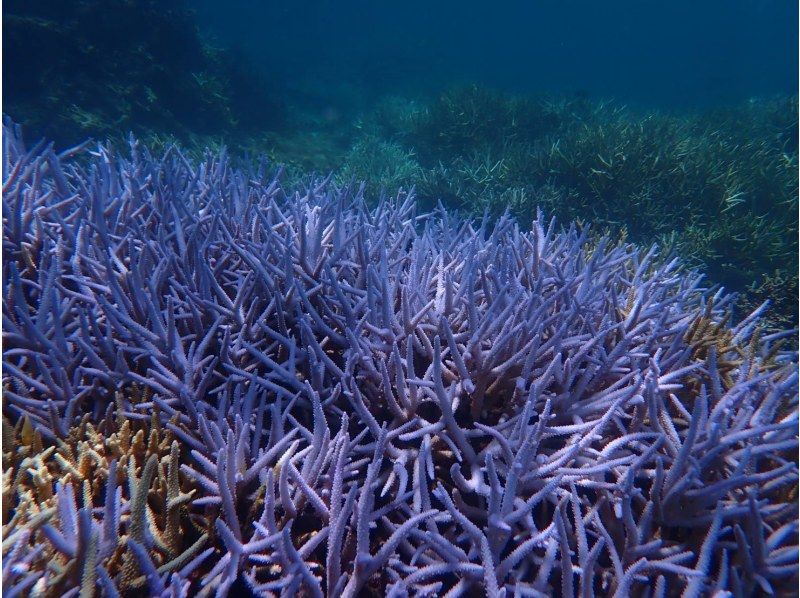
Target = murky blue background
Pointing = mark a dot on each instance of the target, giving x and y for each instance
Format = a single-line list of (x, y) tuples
[(660, 54)]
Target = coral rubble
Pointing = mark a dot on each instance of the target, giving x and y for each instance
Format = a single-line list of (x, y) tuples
[(212, 383)]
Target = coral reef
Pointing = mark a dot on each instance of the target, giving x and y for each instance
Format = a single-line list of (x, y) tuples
[(385, 165), (720, 187), (104, 67), (111, 466), (213, 385)]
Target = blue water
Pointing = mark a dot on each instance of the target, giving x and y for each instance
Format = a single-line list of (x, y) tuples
[(659, 54)]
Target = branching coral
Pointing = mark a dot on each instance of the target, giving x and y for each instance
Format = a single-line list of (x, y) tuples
[(97, 467), (368, 400), (720, 186)]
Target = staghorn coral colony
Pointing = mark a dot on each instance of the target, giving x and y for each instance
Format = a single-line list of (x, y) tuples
[(215, 385), (719, 186)]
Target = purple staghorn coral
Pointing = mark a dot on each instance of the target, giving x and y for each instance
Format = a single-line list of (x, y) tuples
[(214, 384)]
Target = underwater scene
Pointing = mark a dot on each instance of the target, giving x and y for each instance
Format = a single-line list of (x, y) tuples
[(411, 299)]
